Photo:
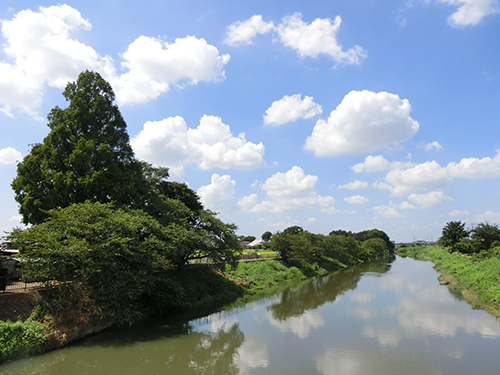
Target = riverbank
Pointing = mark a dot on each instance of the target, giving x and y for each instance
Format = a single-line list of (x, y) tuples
[(190, 291), (55, 322), (475, 279)]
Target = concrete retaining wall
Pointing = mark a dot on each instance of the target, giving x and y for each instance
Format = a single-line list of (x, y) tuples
[(17, 306)]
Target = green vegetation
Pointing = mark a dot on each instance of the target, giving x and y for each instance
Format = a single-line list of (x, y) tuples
[(476, 277), (85, 156), (482, 237), (19, 339), (263, 276)]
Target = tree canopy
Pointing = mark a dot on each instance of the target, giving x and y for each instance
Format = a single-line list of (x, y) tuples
[(453, 232), (85, 156)]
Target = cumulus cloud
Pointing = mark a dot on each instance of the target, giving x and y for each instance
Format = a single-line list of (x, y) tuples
[(218, 193), (427, 176), (317, 38), (429, 200), (291, 108), (153, 65), (362, 122), (9, 156), (308, 39), (354, 185), (243, 32), (356, 199), (43, 51), (407, 206), (471, 12), (211, 145), (290, 190), (388, 211), (371, 164), (432, 176)]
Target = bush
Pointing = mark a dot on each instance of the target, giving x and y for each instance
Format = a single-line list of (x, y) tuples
[(20, 339)]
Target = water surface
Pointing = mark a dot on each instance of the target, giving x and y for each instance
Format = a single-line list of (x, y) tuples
[(378, 319)]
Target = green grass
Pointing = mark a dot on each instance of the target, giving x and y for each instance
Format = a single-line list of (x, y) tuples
[(477, 278), (270, 274)]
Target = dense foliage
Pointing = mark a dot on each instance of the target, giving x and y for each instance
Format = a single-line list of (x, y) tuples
[(106, 226), (85, 156), (297, 244), (18, 339), (482, 237)]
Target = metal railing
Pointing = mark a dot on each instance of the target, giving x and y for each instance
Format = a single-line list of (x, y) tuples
[(16, 285)]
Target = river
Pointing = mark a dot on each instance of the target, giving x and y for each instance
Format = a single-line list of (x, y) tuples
[(384, 318)]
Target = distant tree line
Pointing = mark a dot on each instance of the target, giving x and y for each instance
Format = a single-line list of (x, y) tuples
[(296, 244)]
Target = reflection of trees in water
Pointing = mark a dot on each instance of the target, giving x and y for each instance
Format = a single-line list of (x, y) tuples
[(206, 352), (322, 290)]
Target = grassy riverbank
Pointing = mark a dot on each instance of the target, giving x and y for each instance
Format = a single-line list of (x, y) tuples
[(475, 277), (266, 276)]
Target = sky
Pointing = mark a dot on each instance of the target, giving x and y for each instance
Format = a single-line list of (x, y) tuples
[(347, 114)]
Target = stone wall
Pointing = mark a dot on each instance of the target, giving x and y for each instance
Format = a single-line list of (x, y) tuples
[(17, 306)]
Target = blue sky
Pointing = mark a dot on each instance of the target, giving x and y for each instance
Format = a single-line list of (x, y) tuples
[(324, 114)]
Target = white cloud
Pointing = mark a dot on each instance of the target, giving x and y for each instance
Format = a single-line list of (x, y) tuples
[(243, 32), (16, 218), (471, 12), (429, 200), (457, 213), (388, 211), (291, 108), (43, 51), (356, 199), (318, 37), (355, 185), (432, 176), (476, 169), (291, 190), (218, 193), (426, 176), (371, 164), (380, 185), (9, 156), (407, 206), (429, 146), (330, 211), (153, 65), (362, 122), (311, 220), (488, 217), (211, 145)]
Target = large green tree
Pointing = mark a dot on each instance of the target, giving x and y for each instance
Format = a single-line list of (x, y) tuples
[(483, 236), (85, 156), (452, 233)]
